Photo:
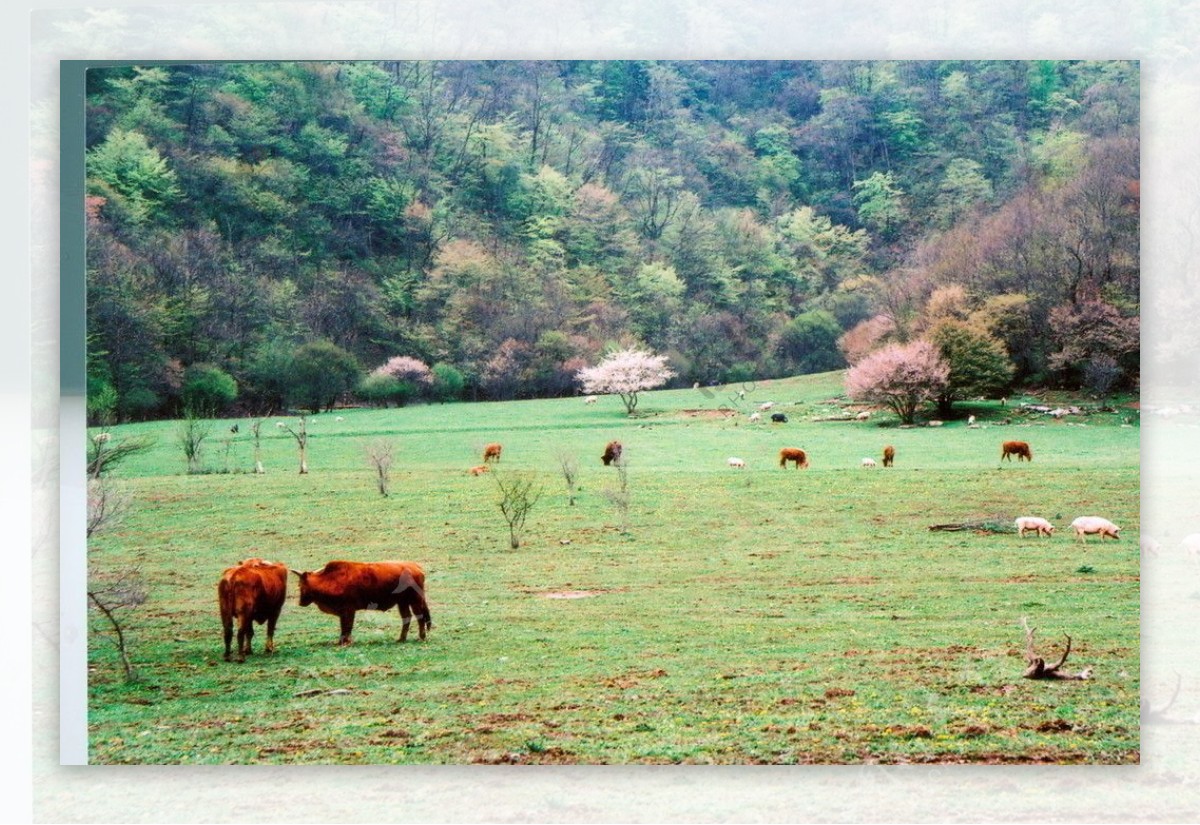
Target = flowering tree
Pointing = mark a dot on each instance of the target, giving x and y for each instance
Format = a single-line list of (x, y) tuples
[(899, 376), (626, 373)]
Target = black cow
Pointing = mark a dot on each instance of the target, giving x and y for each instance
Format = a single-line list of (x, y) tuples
[(779, 418)]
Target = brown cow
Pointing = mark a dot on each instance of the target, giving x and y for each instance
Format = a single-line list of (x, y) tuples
[(478, 471), (342, 588), (889, 455), (793, 454), (491, 452), (1018, 448), (252, 591), (612, 452)]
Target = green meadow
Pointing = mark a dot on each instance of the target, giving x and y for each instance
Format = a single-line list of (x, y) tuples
[(763, 615)]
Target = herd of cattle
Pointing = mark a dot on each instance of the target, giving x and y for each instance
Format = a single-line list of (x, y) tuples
[(253, 591)]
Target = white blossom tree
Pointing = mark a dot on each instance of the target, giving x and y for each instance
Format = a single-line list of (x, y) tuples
[(626, 373)]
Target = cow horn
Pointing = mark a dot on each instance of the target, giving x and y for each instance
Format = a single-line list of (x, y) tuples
[(297, 572)]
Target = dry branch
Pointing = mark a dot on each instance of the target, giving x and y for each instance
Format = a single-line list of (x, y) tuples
[(1037, 668)]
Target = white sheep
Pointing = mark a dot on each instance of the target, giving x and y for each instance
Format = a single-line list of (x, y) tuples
[(935, 423), (867, 462), (100, 438), (863, 416), (1043, 527), (1094, 524), (766, 405), (755, 418), (737, 463), (970, 420), (339, 418), (591, 399)]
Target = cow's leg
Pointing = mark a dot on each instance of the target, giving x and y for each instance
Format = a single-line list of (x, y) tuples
[(245, 634), (424, 621), (406, 618), (228, 623), (347, 621), (270, 647)]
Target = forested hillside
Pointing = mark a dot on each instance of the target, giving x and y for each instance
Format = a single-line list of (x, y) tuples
[(506, 223)]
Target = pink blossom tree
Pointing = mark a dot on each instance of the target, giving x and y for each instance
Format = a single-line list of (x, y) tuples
[(626, 373), (901, 377)]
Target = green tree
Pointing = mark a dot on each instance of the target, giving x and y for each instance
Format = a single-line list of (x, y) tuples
[(319, 373), (809, 343), (207, 389), (133, 175), (979, 364), (880, 202)]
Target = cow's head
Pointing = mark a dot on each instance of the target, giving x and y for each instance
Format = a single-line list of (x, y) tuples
[(305, 593)]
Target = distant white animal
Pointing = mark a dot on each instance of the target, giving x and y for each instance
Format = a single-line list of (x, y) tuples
[(1040, 525), (755, 418), (1150, 546), (339, 418), (863, 416), (970, 420), (1094, 524), (766, 405), (100, 438), (1191, 546), (280, 424), (737, 463), (868, 462), (935, 423), (591, 399), (741, 393)]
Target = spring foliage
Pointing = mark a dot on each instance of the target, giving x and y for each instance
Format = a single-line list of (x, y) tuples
[(626, 373)]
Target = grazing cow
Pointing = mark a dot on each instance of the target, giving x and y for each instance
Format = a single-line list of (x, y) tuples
[(612, 452), (779, 418), (889, 455), (491, 452), (1040, 525), (868, 462), (342, 588), (737, 463), (793, 454), (478, 471), (1094, 524), (252, 591), (1018, 448)]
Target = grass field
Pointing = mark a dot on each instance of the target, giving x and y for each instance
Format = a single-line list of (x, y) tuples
[(754, 616)]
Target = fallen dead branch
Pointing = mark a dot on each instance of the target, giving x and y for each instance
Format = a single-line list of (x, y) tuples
[(1037, 668)]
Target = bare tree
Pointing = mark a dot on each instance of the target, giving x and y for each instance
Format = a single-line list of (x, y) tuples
[(105, 452), (301, 436), (107, 505), (193, 430), (379, 456), (618, 495), (256, 431), (518, 495), (569, 465), (1037, 668)]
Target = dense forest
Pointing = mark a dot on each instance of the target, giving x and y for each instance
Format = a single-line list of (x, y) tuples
[(488, 229)]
